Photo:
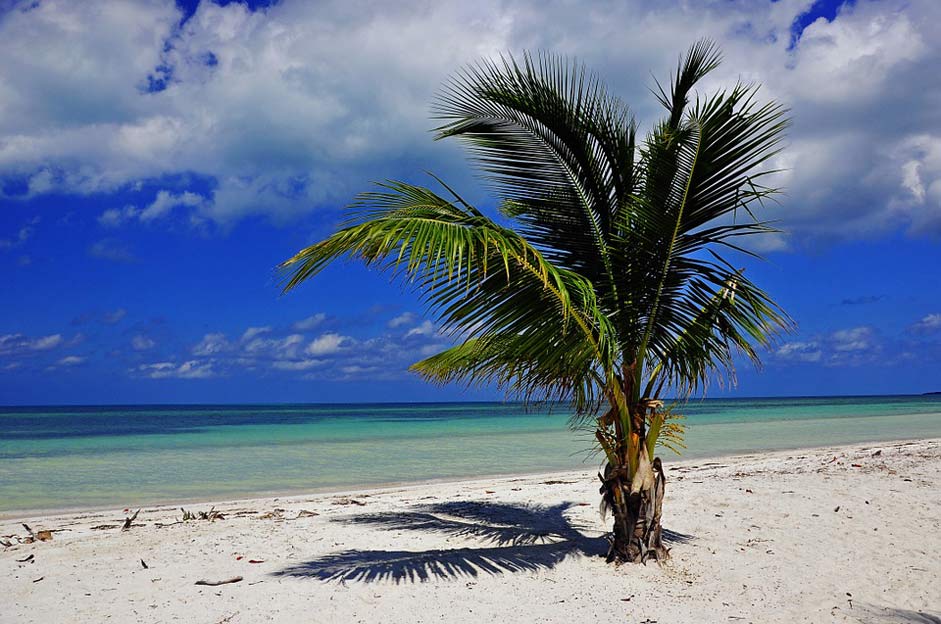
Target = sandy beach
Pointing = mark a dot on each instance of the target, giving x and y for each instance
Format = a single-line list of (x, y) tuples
[(845, 534)]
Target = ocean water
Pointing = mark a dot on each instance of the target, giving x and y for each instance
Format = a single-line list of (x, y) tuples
[(64, 457)]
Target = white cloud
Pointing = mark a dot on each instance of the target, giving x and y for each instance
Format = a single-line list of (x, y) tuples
[(164, 202), (192, 369), (252, 332), (142, 343), (71, 360), (297, 365), (426, 328), (928, 324), (17, 344), (167, 201), (114, 217), (855, 339), (326, 344), (260, 348), (400, 320), (302, 105), (310, 322), (212, 344), (281, 348), (853, 346), (799, 352)]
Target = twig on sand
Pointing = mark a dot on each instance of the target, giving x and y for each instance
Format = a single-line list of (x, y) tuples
[(25, 559), (303, 513), (234, 579), (227, 618), (144, 563), (212, 515), (41, 535), (348, 501), (128, 521)]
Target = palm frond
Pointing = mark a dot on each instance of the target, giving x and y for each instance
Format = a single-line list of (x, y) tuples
[(479, 278), (556, 146)]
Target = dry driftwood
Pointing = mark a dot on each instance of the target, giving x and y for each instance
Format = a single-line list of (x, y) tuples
[(41, 535), (104, 527), (347, 501), (212, 515), (129, 521), (234, 579)]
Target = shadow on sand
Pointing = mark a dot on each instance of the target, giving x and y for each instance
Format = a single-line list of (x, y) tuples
[(516, 538), (871, 614)]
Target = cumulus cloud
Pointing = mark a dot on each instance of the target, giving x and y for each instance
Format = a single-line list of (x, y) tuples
[(402, 319), (71, 360), (267, 350), (282, 348), (799, 352), (212, 344), (297, 365), (326, 344), (425, 328), (309, 323), (927, 325), (846, 347), (264, 348), (18, 344), (252, 332), (296, 107), (142, 343), (161, 206), (191, 369), (855, 339)]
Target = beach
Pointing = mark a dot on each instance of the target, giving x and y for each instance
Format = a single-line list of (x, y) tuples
[(837, 534)]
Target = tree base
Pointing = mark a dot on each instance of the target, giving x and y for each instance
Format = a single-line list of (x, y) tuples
[(637, 536)]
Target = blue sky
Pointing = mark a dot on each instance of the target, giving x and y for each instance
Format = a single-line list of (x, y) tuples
[(157, 161)]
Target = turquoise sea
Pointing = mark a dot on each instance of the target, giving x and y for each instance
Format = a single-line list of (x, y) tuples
[(126, 456)]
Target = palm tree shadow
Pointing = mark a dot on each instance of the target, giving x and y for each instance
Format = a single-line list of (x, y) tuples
[(517, 538), (872, 614)]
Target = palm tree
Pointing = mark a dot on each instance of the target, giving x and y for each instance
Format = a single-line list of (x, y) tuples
[(609, 290)]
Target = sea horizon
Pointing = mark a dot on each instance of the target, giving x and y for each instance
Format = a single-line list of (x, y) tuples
[(56, 457), (455, 402)]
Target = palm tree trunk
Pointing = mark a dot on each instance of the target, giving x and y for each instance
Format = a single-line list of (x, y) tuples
[(637, 508)]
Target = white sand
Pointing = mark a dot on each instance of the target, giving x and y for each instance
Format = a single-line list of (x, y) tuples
[(767, 544)]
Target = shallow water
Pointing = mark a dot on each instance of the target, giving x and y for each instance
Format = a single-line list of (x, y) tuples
[(82, 456)]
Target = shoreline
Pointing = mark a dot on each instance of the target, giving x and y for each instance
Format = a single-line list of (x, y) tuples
[(248, 498), (514, 548)]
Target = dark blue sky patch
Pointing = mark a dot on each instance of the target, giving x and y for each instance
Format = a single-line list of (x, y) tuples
[(189, 6), (14, 185), (159, 80), (827, 9)]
